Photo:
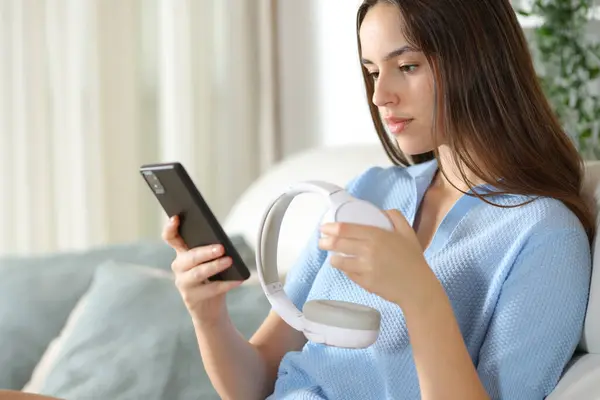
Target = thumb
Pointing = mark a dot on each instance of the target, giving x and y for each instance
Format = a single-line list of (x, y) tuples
[(398, 220)]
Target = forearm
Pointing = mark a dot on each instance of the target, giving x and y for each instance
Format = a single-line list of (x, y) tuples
[(443, 364), (235, 367)]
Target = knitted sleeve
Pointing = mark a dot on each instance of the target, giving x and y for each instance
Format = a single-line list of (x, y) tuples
[(538, 320)]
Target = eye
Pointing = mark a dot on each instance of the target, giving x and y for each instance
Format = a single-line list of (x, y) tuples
[(374, 74), (408, 68)]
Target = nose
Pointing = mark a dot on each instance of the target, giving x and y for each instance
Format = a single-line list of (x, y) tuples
[(383, 93)]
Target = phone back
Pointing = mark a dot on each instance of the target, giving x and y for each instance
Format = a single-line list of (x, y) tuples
[(177, 194)]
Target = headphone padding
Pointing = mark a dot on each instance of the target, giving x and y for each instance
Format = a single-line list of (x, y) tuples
[(342, 314)]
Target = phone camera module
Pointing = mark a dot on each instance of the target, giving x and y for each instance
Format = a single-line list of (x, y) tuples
[(154, 182)]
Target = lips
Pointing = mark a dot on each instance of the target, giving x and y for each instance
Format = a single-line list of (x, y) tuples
[(397, 125)]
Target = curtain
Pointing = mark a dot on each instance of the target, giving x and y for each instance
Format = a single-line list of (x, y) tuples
[(92, 89)]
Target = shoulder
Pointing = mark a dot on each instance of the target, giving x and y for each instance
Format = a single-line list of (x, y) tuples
[(528, 232), (379, 184), (544, 216), (372, 177), (553, 239)]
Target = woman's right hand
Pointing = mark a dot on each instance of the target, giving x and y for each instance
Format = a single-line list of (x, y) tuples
[(205, 300)]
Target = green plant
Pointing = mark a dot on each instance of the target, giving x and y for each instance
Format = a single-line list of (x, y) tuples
[(569, 66)]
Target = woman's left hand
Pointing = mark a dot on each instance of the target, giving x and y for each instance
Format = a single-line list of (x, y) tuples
[(389, 264)]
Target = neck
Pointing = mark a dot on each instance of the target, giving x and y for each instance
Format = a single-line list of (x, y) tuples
[(453, 179)]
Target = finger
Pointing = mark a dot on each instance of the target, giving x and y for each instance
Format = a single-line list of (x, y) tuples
[(349, 230), (196, 256), (170, 234), (398, 219), (200, 274), (344, 245), (347, 264), (206, 291)]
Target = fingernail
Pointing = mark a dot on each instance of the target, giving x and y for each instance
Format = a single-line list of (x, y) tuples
[(224, 261), (216, 249)]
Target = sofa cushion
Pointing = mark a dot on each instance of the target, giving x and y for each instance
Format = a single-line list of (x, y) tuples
[(580, 381), (590, 341), (38, 293), (131, 337)]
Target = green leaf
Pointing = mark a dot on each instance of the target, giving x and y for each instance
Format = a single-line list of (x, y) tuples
[(586, 134), (545, 30), (567, 60)]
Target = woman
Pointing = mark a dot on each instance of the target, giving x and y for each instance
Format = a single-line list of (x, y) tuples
[(483, 284)]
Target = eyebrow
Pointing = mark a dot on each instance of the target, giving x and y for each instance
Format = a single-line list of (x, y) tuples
[(389, 56)]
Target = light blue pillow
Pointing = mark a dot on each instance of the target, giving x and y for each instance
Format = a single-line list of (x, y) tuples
[(37, 295), (134, 339)]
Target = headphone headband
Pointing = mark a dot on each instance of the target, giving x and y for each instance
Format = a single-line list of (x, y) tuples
[(266, 251), (350, 325)]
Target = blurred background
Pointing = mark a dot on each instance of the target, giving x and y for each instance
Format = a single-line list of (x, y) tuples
[(92, 89)]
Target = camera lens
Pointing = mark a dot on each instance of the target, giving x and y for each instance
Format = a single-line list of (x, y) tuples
[(154, 182)]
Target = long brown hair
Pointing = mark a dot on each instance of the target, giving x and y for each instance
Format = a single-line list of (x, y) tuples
[(490, 107)]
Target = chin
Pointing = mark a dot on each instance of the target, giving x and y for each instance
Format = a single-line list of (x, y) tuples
[(412, 147)]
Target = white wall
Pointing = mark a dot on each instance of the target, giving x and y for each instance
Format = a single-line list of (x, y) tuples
[(323, 99), (345, 112), (322, 95)]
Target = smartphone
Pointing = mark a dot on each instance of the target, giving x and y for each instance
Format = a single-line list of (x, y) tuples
[(178, 195)]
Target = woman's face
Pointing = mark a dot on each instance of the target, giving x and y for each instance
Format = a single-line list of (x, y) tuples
[(403, 80)]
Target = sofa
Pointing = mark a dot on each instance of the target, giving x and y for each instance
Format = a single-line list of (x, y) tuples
[(108, 323)]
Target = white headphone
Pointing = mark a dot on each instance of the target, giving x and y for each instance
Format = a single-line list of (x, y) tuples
[(331, 322)]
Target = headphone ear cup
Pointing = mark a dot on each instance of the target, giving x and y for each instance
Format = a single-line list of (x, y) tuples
[(342, 314), (362, 212)]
